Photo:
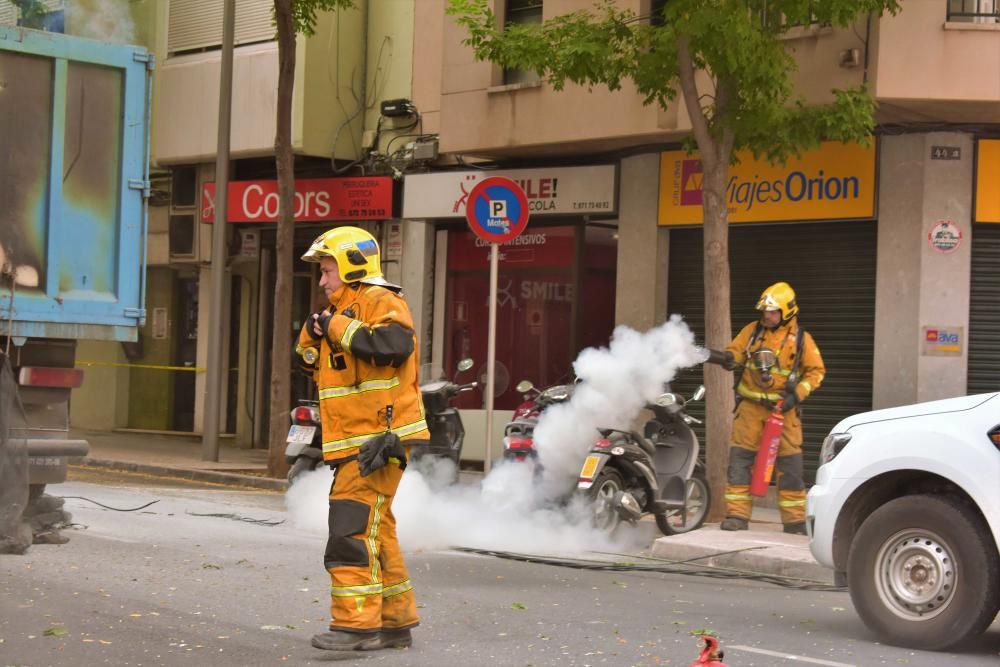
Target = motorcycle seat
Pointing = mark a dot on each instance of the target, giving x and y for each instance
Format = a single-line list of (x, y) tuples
[(644, 442)]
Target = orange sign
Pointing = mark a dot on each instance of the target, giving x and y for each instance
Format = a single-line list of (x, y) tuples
[(834, 182), (988, 181)]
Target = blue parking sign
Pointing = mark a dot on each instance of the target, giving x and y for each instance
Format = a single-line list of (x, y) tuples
[(497, 209)]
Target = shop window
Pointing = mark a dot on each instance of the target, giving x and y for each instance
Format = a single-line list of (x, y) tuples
[(521, 12), (543, 320)]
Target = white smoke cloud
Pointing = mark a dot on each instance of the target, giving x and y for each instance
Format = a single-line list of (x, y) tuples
[(615, 383), (519, 507), (106, 20)]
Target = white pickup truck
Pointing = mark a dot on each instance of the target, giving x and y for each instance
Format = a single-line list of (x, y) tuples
[(906, 511)]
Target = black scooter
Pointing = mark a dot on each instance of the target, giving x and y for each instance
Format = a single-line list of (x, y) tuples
[(627, 475), (443, 421), (304, 448)]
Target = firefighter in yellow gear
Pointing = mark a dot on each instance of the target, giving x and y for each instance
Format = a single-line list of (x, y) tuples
[(779, 361), (365, 363)]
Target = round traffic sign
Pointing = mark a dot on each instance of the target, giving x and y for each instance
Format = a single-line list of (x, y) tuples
[(497, 209)]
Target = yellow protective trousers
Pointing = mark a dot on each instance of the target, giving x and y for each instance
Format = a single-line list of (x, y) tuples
[(370, 588), (747, 428)]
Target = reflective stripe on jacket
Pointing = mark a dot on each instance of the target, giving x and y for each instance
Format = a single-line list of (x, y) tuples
[(367, 361)]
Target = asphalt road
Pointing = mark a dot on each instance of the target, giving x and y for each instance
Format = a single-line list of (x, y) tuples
[(166, 585)]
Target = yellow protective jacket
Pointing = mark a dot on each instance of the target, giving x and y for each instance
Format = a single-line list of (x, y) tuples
[(367, 361), (758, 399)]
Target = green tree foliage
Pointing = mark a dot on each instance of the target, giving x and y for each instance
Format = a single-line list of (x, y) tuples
[(32, 12), (303, 13)]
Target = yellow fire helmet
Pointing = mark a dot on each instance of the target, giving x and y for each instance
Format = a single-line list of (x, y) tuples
[(356, 252), (779, 296)]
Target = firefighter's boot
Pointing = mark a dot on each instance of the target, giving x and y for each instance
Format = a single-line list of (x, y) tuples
[(734, 523), (797, 528), (338, 640), (388, 638)]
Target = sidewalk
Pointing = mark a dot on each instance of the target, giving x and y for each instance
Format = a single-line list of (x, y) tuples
[(176, 456), (763, 549)]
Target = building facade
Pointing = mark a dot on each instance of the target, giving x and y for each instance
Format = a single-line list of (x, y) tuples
[(892, 248)]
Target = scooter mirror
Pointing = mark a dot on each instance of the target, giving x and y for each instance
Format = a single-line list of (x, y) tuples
[(699, 393), (464, 365), (524, 386), (666, 400)]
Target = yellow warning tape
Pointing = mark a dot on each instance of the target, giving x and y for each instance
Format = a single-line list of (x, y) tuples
[(115, 364)]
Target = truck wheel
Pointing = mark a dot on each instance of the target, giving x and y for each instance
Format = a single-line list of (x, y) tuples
[(301, 465), (923, 572), (608, 483), (699, 499)]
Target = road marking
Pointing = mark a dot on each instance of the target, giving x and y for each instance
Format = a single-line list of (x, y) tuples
[(789, 656)]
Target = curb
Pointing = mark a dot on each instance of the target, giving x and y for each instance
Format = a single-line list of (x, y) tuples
[(212, 476), (751, 559)]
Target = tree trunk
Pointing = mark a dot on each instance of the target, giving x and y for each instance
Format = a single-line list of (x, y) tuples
[(282, 339), (718, 331), (715, 152)]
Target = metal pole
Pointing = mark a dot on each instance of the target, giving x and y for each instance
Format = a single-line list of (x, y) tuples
[(491, 349), (216, 316), (264, 298)]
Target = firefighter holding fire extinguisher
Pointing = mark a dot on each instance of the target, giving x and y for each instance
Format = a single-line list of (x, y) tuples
[(779, 366)]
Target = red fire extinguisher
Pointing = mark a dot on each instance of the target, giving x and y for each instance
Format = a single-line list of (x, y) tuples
[(711, 653), (767, 452)]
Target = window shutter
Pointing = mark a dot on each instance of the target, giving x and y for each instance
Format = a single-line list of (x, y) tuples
[(197, 24)]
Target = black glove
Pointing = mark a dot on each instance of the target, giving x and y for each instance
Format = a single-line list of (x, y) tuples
[(789, 401), (724, 359), (376, 452), (323, 320)]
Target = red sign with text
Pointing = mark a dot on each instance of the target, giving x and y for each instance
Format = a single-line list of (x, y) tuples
[(316, 199)]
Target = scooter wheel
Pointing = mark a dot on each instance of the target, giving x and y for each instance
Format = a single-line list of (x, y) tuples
[(699, 500), (602, 494)]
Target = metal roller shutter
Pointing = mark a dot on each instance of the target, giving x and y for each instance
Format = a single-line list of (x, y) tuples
[(984, 310), (197, 24), (831, 266)]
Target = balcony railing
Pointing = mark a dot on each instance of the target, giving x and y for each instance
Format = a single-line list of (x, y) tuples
[(974, 11)]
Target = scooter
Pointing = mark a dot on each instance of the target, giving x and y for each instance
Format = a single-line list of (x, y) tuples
[(518, 439), (443, 421), (627, 475), (304, 444)]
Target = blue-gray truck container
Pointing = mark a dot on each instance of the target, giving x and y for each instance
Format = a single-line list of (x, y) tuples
[(74, 180)]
